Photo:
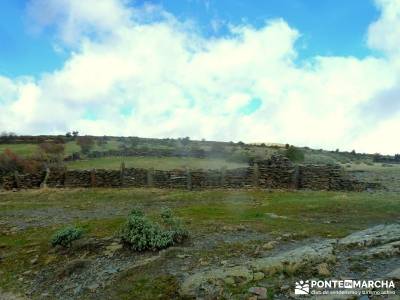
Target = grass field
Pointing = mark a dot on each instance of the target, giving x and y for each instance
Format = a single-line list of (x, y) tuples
[(29, 218), (159, 163), (20, 149), (26, 150)]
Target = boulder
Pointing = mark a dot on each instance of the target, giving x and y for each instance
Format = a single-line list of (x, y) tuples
[(377, 235)]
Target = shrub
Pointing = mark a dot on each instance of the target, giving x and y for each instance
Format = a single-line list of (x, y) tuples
[(10, 162), (174, 226), (294, 154), (66, 236), (86, 143), (140, 233)]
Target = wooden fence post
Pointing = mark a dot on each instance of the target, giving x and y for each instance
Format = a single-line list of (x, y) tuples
[(93, 177), (189, 179), (223, 175), (17, 182), (256, 175), (122, 173), (46, 177), (150, 177)]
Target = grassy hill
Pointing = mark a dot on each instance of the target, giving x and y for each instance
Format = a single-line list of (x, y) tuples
[(217, 154)]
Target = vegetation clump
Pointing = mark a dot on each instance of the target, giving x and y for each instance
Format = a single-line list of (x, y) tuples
[(294, 154), (141, 234), (65, 236)]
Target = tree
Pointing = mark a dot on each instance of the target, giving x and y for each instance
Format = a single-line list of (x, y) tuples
[(52, 152), (75, 133), (294, 154), (185, 141), (86, 143)]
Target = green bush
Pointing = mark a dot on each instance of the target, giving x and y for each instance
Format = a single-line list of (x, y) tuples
[(140, 233), (174, 226), (66, 236), (294, 154)]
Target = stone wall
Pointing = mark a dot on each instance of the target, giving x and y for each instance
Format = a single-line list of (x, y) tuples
[(277, 173)]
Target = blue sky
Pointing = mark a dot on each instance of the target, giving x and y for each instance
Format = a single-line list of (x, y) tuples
[(329, 27), (324, 74)]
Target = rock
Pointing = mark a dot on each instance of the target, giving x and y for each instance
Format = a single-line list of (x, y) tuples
[(27, 272), (207, 280), (305, 255), (34, 260), (203, 262), (275, 216), (240, 274), (270, 245), (395, 274), (93, 287), (112, 248), (377, 235), (285, 287), (323, 270), (261, 292), (258, 276), (183, 256), (72, 267), (10, 296), (386, 250)]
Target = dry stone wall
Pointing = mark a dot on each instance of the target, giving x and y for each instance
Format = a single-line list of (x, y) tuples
[(276, 173)]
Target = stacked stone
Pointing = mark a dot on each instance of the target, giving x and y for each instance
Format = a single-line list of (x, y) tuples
[(135, 177), (276, 172), (336, 175), (206, 179), (236, 178), (178, 179), (160, 179), (106, 178), (8, 182), (314, 177), (29, 180), (78, 178), (56, 179), (321, 177)]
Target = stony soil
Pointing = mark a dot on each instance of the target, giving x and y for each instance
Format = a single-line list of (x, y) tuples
[(92, 265)]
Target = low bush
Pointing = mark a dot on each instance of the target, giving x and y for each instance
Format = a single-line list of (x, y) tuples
[(66, 236), (141, 234), (294, 154)]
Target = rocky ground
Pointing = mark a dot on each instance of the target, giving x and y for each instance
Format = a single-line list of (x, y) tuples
[(243, 244), (264, 268)]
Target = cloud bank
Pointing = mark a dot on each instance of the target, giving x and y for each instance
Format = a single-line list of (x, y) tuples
[(142, 72)]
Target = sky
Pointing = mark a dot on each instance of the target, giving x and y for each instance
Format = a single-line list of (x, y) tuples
[(323, 74)]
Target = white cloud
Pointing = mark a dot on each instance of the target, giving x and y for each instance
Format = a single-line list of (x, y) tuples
[(175, 82), (384, 34)]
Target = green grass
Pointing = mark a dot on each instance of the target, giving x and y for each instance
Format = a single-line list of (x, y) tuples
[(26, 150), (307, 214), (159, 163), (20, 149)]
